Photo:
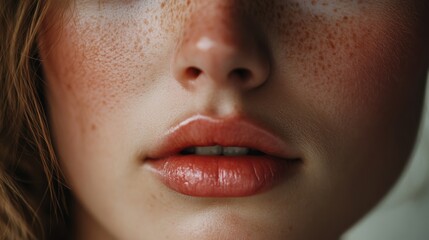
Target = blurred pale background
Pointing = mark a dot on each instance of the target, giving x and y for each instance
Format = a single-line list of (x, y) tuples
[(404, 213)]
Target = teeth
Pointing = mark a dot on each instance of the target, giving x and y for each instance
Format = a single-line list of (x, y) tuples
[(217, 150), (211, 150), (235, 151)]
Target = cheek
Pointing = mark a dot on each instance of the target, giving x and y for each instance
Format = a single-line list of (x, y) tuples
[(351, 67), (98, 63)]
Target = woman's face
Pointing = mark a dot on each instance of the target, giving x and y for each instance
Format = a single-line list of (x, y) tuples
[(337, 84)]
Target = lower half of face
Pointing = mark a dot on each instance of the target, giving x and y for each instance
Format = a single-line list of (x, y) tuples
[(340, 85)]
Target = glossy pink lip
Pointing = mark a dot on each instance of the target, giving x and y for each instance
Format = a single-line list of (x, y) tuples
[(220, 176)]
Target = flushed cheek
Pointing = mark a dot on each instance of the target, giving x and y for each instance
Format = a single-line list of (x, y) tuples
[(351, 66), (101, 63)]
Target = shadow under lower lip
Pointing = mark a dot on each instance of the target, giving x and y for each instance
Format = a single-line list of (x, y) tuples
[(221, 176)]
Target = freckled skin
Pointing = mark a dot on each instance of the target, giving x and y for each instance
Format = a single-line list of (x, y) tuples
[(344, 88)]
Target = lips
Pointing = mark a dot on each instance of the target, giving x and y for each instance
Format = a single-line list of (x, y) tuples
[(239, 158)]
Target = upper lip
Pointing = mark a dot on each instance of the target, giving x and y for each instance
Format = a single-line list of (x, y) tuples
[(202, 130)]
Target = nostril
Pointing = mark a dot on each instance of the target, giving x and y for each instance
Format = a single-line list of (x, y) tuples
[(192, 73), (241, 73)]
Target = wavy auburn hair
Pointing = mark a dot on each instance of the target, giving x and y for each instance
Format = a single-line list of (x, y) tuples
[(32, 199)]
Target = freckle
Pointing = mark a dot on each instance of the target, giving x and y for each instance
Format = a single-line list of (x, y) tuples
[(345, 18), (332, 44), (153, 196), (162, 5), (307, 34), (93, 127)]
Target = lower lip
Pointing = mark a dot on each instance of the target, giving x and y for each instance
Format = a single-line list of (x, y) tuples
[(220, 176)]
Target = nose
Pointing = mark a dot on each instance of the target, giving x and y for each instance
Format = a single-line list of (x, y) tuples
[(221, 44)]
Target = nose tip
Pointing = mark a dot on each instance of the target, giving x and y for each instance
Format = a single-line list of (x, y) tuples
[(223, 48)]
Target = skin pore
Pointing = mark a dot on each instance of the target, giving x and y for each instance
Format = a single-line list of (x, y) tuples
[(340, 81)]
